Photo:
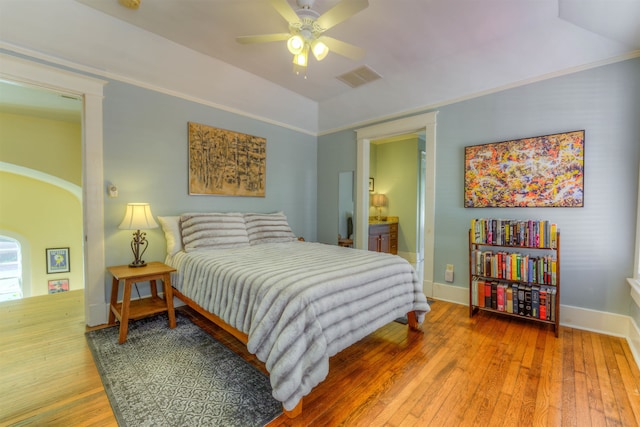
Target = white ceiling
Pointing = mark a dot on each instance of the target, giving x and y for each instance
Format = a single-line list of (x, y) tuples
[(428, 52), (17, 99)]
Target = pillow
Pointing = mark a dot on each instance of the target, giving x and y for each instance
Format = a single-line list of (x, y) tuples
[(202, 231), (171, 227), (268, 228)]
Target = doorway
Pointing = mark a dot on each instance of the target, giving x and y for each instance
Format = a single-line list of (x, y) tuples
[(397, 168), (424, 123), (90, 90)]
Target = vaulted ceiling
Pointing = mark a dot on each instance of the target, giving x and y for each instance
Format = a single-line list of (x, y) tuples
[(427, 52)]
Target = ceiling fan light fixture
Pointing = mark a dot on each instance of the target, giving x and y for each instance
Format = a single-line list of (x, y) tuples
[(301, 59), (295, 44), (319, 49)]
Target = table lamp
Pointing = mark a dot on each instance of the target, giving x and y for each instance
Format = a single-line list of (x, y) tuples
[(379, 200), (138, 217)]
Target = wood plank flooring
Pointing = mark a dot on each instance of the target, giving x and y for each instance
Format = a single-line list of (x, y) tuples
[(488, 370)]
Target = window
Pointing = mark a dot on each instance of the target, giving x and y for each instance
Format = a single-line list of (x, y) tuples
[(10, 269)]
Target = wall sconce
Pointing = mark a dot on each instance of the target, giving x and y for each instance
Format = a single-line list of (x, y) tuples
[(379, 200), (138, 217)]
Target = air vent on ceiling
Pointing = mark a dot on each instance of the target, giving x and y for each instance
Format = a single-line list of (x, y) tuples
[(359, 76)]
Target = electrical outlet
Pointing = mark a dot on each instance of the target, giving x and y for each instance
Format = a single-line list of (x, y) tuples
[(448, 273)]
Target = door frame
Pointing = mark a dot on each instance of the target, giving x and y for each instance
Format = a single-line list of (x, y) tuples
[(22, 71), (415, 124)]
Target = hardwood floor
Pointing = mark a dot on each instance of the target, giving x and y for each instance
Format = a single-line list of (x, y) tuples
[(488, 370)]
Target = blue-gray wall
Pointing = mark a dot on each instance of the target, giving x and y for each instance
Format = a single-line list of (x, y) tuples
[(145, 156), (597, 240)]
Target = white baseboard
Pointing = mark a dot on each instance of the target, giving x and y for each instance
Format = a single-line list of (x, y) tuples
[(450, 293), (98, 314), (634, 340), (573, 317)]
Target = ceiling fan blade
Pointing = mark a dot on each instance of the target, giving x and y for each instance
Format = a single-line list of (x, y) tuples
[(285, 10), (340, 12), (343, 48), (263, 38)]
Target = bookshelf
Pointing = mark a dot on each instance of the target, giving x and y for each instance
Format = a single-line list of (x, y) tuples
[(514, 269)]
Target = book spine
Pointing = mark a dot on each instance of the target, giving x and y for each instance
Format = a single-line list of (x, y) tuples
[(487, 294), (500, 297), (474, 292), (535, 302), (521, 301), (494, 295)]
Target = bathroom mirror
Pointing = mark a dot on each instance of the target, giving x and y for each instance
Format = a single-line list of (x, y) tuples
[(345, 204)]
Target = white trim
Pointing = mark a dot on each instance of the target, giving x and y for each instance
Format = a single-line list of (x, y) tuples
[(420, 123), (600, 322), (635, 289), (390, 116), (91, 90), (437, 105), (636, 262), (76, 190), (145, 85), (450, 293), (633, 338)]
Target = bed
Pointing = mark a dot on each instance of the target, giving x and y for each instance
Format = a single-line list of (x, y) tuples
[(293, 303)]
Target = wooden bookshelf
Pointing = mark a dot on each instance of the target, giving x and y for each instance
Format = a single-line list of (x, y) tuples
[(515, 271)]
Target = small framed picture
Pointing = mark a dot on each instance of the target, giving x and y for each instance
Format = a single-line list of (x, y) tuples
[(371, 188), (58, 285), (58, 260)]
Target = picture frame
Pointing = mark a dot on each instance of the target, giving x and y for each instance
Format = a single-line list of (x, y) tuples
[(541, 171), (371, 184), (58, 260), (58, 285), (226, 163)]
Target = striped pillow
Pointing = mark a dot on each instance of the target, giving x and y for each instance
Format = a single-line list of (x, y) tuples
[(203, 231), (268, 228)]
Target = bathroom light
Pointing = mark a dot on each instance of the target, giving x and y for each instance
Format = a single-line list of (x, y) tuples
[(379, 200)]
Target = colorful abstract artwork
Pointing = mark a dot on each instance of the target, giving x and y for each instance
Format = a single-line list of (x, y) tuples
[(543, 171), (226, 163)]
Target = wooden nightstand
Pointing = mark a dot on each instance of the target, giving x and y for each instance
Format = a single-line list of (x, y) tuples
[(143, 307)]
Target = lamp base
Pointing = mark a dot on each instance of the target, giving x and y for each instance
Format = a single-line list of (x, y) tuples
[(138, 264)]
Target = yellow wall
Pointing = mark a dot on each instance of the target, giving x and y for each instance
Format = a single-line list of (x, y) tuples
[(45, 215), (394, 165), (48, 217), (49, 146)]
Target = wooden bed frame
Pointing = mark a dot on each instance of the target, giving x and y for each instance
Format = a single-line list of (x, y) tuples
[(244, 338)]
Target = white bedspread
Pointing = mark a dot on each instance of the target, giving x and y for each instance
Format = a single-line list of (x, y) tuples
[(299, 303)]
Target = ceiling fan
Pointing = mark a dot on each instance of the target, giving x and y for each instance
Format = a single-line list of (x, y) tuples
[(306, 31)]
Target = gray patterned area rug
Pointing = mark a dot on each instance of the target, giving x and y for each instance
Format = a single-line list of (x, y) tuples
[(179, 377)]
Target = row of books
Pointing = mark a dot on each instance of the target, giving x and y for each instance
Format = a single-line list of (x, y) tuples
[(514, 232), (515, 266), (526, 300)]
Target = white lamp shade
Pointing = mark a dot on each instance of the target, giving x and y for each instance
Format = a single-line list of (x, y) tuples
[(319, 49), (138, 217), (295, 44), (379, 200)]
